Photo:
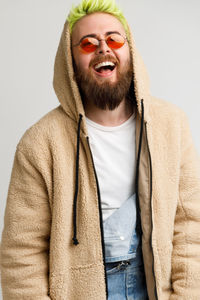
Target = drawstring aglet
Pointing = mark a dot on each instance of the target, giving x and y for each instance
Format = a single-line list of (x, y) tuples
[(75, 241)]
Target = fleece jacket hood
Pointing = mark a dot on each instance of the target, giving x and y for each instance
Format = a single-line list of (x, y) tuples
[(66, 88)]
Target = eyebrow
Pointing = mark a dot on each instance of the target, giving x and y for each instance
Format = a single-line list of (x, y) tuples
[(96, 35)]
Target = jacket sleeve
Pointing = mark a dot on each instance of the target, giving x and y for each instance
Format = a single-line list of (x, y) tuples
[(186, 241), (26, 232)]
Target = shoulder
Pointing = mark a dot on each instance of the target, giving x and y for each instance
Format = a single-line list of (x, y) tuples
[(43, 133), (166, 113), (165, 107)]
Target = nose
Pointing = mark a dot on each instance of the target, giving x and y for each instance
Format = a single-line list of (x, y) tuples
[(103, 48)]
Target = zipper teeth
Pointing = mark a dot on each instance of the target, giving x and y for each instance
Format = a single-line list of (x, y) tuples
[(155, 290), (101, 222)]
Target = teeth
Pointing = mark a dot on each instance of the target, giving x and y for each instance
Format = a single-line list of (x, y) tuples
[(103, 64)]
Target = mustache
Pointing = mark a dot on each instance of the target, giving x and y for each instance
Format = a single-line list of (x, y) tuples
[(99, 59)]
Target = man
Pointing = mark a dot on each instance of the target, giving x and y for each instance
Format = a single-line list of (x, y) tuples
[(103, 201)]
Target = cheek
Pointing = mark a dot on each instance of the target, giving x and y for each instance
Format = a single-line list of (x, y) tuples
[(127, 54), (123, 55), (83, 62), (126, 58), (79, 59)]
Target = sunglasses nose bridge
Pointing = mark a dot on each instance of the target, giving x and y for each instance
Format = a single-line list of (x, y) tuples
[(103, 46)]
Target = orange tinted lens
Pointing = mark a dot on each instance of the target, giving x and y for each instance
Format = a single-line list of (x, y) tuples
[(89, 44), (115, 41)]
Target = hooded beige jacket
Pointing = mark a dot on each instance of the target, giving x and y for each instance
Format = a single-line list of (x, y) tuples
[(54, 197)]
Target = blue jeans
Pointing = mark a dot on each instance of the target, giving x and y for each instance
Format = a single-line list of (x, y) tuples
[(124, 259), (126, 281)]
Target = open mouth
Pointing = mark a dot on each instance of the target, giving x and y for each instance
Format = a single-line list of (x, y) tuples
[(105, 68)]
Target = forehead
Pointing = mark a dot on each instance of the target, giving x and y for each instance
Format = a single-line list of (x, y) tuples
[(96, 23)]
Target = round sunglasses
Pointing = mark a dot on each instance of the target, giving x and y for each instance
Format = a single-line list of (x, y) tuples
[(90, 44)]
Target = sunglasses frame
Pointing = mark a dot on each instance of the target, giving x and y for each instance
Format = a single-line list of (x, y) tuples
[(78, 44)]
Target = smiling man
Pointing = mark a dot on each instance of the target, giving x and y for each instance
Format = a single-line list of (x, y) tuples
[(103, 201)]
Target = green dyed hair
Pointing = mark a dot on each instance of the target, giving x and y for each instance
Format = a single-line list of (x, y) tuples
[(90, 6)]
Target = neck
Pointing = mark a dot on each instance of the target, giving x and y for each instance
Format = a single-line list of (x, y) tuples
[(107, 117)]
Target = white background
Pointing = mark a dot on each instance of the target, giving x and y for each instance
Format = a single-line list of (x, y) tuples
[(166, 34)]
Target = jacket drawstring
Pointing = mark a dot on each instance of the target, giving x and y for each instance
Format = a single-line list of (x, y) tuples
[(75, 240), (138, 220)]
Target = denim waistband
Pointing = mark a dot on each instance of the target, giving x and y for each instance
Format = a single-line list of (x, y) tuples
[(135, 261)]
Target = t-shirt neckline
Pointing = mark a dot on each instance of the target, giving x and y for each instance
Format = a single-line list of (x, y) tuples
[(111, 128)]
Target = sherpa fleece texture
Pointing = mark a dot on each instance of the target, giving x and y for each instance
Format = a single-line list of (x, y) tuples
[(38, 258)]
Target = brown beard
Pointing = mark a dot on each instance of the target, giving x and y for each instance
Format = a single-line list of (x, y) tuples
[(105, 95)]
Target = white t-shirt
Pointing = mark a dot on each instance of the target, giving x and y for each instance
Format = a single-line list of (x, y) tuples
[(113, 150)]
